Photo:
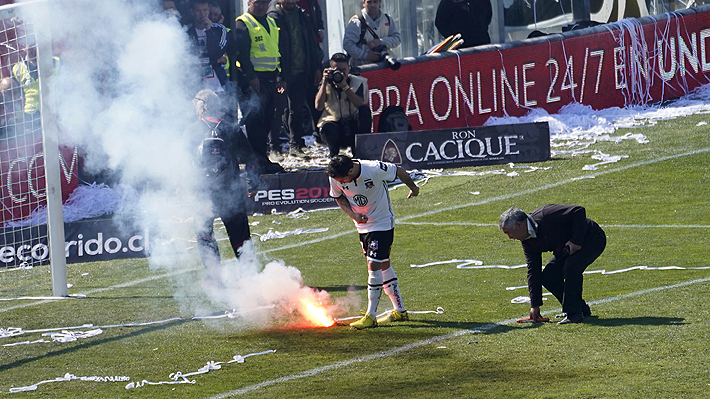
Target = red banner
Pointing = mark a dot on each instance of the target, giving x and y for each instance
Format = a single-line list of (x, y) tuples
[(630, 62), (22, 175)]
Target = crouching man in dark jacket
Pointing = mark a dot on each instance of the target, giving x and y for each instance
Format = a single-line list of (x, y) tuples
[(575, 242)]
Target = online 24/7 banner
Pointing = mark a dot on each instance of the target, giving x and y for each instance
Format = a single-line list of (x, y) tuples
[(635, 61)]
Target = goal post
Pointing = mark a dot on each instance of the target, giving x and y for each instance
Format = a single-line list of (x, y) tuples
[(29, 148), (50, 144)]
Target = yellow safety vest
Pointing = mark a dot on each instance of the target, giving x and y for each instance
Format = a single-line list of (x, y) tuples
[(264, 53), (30, 86)]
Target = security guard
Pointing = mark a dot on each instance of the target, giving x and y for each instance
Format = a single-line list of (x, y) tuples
[(259, 76), (25, 73)]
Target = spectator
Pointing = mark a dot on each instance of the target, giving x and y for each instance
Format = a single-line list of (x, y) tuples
[(216, 14), (213, 43), (169, 5), (26, 76), (470, 18), (6, 106), (221, 147), (369, 34), (315, 15), (299, 63), (260, 75), (343, 98)]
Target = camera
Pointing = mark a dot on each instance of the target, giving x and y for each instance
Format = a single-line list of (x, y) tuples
[(335, 76), (391, 61)]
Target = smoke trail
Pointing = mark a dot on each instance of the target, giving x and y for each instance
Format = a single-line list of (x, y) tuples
[(124, 95)]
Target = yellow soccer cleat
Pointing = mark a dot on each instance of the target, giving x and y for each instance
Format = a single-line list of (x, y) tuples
[(366, 322), (394, 316)]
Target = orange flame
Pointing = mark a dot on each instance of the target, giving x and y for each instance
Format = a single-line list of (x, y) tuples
[(315, 314)]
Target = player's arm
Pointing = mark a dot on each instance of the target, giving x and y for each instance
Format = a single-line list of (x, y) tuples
[(344, 204), (406, 179)]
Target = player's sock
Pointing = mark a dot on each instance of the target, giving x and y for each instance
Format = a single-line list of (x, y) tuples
[(374, 290), (391, 287)]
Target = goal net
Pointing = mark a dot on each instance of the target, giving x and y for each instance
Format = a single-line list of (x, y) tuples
[(32, 261)]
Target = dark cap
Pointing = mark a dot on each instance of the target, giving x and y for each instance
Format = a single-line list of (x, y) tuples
[(340, 57)]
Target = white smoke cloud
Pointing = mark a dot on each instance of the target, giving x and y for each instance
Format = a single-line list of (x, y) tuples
[(124, 95)]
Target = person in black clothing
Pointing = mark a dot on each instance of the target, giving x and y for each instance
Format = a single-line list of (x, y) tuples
[(259, 83), (313, 9), (214, 43), (575, 242), (220, 148), (470, 18), (299, 66)]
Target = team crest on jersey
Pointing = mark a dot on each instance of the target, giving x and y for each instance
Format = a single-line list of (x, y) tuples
[(360, 200), (369, 184)]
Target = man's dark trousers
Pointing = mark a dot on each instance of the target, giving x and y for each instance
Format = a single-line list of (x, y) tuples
[(297, 89), (563, 276), (258, 110)]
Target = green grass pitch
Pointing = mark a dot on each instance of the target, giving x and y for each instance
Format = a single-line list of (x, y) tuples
[(648, 339)]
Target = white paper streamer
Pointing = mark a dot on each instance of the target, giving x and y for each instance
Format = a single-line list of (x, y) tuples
[(469, 264), (63, 336), (526, 299), (233, 313), (180, 378), (278, 234), (71, 377), (439, 310)]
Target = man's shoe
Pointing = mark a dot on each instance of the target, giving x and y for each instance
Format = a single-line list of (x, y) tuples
[(394, 316), (586, 312), (366, 322), (298, 153), (574, 318), (271, 168), (275, 156)]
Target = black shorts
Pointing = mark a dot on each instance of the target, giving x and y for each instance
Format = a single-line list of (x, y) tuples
[(376, 245)]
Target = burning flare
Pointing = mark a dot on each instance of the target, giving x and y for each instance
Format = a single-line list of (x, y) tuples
[(315, 313)]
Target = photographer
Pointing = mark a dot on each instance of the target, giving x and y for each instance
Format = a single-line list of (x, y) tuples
[(342, 98), (370, 35)]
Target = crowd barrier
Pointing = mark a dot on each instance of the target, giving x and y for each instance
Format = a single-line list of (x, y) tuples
[(634, 61)]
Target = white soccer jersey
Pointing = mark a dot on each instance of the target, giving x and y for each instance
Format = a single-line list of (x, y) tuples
[(368, 194)]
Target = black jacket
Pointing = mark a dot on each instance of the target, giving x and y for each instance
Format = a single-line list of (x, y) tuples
[(554, 225), (240, 150), (470, 18), (219, 42), (310, 45)]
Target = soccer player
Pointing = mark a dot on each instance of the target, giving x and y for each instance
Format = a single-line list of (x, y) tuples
[(360, 189)]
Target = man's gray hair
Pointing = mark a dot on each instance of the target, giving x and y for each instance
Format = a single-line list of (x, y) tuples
[(211, 99), (511, 217)]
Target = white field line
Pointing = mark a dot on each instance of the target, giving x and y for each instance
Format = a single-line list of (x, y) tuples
[(622, 226), (404, 219), (432, 340), (506, 196), (122, 285), (559, 183)]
